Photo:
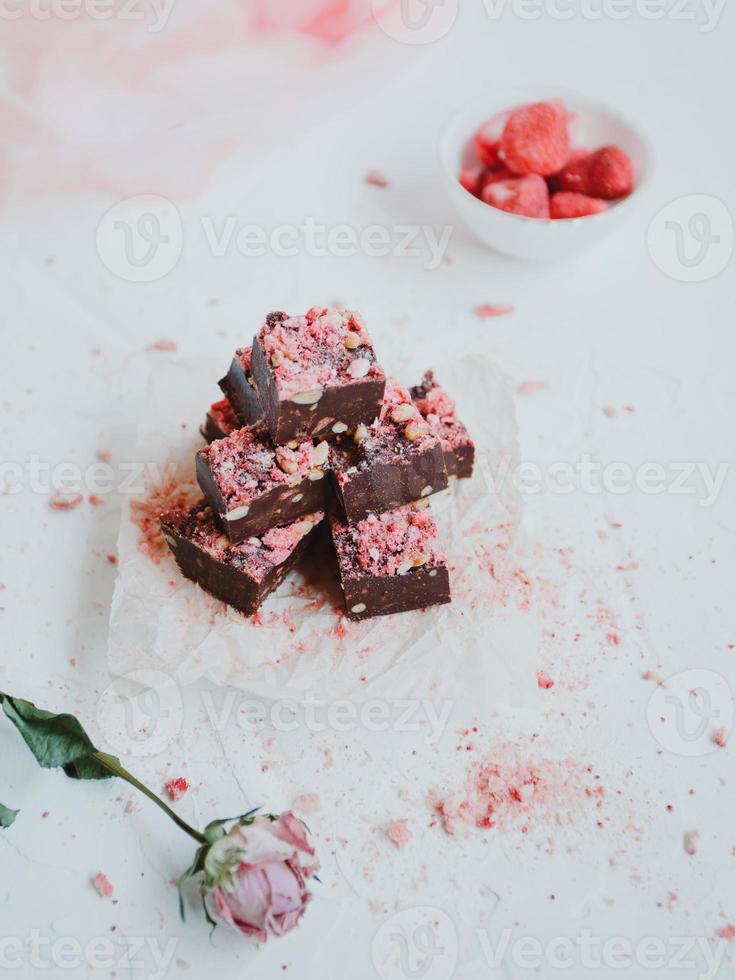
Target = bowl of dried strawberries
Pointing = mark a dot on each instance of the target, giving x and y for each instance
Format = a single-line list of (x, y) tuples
[(543, 173)]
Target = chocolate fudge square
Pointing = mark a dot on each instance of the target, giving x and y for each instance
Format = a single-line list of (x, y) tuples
[(237, 386), (394, 461), (220, 421), (390, 563), (241, 575), (252, 485), (440, 412), (316, 375)]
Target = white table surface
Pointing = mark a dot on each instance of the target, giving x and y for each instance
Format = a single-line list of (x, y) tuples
[(605, 331)]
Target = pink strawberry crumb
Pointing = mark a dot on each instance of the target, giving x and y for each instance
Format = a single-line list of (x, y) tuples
[(531, 387), (308, 803), (65, 500), (398, 832), (543, 680), (691, 841), (176, 788), (163, 344), (376, 179), (720, 737), (102, 885), (486, 310), (727, 932)]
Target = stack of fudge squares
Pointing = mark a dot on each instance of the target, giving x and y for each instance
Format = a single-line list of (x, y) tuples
[(311, 434)]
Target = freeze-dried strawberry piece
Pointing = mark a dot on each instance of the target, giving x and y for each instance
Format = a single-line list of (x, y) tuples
[(574, 176), (528, 196), (487, 143), (535, 139), (472, 178), (493, 176), (610, 173), (567, 204)]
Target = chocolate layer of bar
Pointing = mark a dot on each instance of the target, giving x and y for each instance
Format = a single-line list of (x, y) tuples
[(220, 421), (390, 563), (237, 385), (440, 412), (316, 374), (394, 461), (253, 486), (240, 575)]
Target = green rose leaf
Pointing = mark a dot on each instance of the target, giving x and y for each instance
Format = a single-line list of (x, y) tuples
[(56, 741), (7, 816)]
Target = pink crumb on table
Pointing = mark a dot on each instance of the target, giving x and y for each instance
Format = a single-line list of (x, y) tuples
[(176, 788), (398, 832), (727, 932), (145, 514), (376, 178), (691, 841), (506, 787), (720, 737), (163, 344), (531, 387), (544, 681), (308, 803), (94, 500), (65, 500), (486, 310), (102, 885)]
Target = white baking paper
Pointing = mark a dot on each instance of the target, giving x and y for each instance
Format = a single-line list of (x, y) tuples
[(300, 643)]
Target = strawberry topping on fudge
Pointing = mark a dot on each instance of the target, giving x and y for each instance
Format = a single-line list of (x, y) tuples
[(395, 460), (391, 562), (324, 347), (316, 374), (439, 410), (253, 485), (257, 554)]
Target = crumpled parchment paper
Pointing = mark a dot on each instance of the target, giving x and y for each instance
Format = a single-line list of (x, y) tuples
[(300, 642)]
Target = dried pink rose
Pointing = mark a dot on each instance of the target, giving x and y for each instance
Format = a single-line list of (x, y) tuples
[(255, 875)]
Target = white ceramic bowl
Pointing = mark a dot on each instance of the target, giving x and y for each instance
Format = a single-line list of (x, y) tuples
[(594, 125)]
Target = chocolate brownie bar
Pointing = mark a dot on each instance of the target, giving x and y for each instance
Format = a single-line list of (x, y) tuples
[(391, 562), (394, 461), (440, 412), (220, 422), (237, 385), (252, 486), (241, 575), (316, 374)]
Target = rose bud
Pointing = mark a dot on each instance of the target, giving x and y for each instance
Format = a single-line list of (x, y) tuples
[(255, 875)]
